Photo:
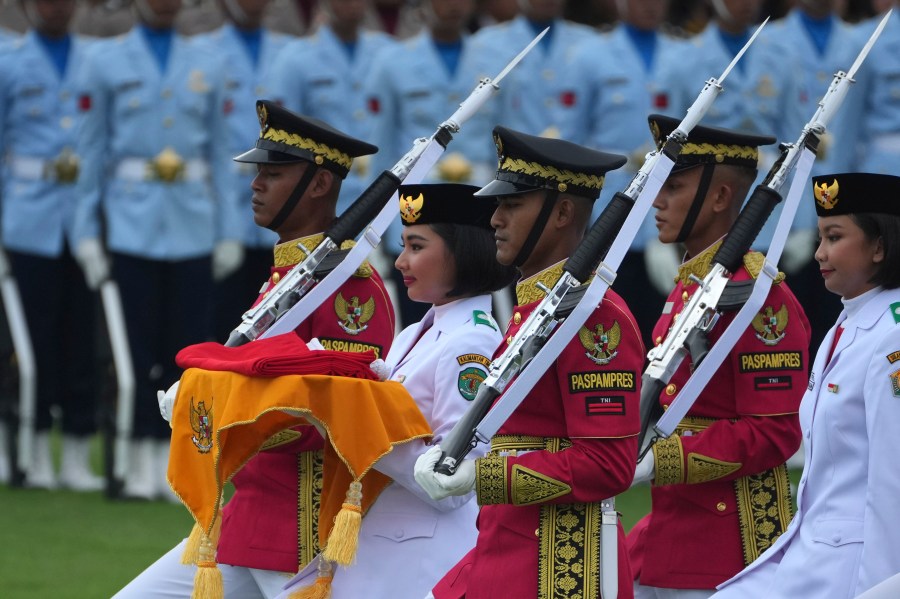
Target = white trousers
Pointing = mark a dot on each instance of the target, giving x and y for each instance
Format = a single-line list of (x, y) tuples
[(168, 577), (644, 592), (888, 589)]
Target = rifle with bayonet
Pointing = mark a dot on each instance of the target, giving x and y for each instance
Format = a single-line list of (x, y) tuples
[(530, 352), (315, 270), (715, 292)]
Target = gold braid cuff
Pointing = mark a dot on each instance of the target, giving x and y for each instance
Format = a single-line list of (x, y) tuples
[(530, 486), (669, 458), (491, 480)]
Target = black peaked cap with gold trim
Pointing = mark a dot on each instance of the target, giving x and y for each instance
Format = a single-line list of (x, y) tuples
[(856, 193), (710, 145), (528, 162), (452, 203), (286, 137)]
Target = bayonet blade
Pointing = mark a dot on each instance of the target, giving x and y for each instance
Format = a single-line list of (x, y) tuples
[(865, 51), (737, 56), (519, 57)]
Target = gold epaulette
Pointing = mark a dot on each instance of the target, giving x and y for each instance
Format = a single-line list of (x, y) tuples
[(753, 262)]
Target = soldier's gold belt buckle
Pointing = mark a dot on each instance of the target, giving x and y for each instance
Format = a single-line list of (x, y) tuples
[(64, 168), (167, 167)]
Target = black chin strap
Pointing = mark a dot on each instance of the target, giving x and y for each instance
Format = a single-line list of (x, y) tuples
[(539, 223), (294, 198), (697, 204)]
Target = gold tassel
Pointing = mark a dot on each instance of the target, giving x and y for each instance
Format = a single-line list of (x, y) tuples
[(208, 580), (344, 538), (321, 589), (191, 553)]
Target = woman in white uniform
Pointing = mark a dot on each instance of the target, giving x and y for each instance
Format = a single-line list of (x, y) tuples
[(844, 538), (407, 540)]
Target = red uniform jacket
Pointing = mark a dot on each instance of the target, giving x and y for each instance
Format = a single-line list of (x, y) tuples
[(539, 520), (721, 494), (270, 521)]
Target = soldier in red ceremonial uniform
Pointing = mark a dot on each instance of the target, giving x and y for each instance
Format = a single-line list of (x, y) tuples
[(269, 526), (569, 445), (721, 493)]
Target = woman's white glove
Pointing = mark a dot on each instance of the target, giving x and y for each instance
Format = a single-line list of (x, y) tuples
[(166, 401), (92, 258), (646, 469), (661, 261), (437, 485)]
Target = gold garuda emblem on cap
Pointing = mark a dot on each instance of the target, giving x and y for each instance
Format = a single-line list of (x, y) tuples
[(411, 208), (353, 317), (769, 325), (202, 425), (826, 195), (600, 343), (262, 114)]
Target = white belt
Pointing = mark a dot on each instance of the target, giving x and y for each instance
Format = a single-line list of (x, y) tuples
[(889, 143), (141, 169), (33, 168)]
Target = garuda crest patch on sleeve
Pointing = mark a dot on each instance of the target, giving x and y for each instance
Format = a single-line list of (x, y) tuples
[(600, 343)]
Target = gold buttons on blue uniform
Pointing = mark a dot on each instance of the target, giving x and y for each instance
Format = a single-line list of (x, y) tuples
[(166, 93), (168, 122)]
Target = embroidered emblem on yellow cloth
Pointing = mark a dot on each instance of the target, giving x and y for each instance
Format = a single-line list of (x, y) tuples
[(529, 486), (701, 468), (569, 551), (827, 195), (764, 509), (202, 424), (600, 344), (411, 208), (352, 317), (769, 324)]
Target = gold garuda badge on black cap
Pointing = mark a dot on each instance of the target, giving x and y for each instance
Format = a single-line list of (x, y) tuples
[(710, 145), (528, 162), (856, 193), (286, 137), (452, 203)]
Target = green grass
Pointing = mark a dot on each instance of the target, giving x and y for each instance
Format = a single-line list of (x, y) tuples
[(83, 546)]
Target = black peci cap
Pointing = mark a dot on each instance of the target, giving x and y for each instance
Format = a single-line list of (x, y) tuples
[(286, 137), (528, 162), (710, 145), (452, 203), (856, 193)]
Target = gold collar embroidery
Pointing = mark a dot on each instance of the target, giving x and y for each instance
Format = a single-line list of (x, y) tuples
[(527, 290), (288, 254), (701, 264)]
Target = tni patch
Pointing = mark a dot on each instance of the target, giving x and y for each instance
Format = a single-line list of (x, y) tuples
[(772, 383), (613, 405)]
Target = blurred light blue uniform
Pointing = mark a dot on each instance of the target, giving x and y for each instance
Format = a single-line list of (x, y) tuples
[(7, 36), (837, 151), (131, 112), (878, 83), (317, 76), (410, 92), (39, 112), (245, 82), (763, 94), (533, 97), (611, 92)]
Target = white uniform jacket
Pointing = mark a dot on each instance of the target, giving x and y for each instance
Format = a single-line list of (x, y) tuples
[(407, 540), (843, 539)]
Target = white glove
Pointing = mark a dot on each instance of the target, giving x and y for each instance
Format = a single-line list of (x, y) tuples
[(314, 344), (166, 401), (381, 369), (646, 469), (799, 248), (91, 256), (661, 261), (438, 486), (227, 257)]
